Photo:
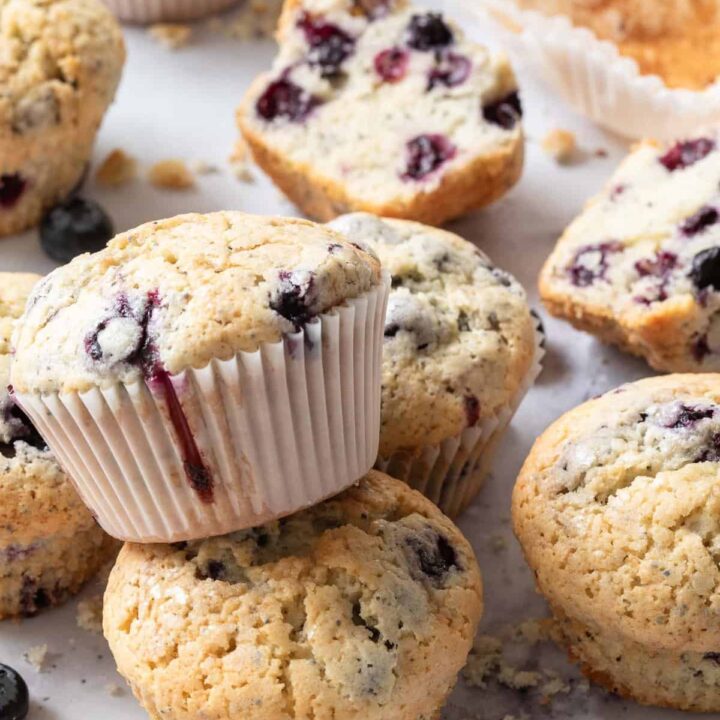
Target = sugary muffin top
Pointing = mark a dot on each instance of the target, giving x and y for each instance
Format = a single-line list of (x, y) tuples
[(618, 511), (58, 60), (649, 245), (459, 336), (364, 605), (679, 40), (35, 495), (177, 293), (381, 98)]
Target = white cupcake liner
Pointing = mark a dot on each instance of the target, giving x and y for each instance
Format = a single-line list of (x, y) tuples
[(143, 12), (593, 77), (278, 429), (452, 473)]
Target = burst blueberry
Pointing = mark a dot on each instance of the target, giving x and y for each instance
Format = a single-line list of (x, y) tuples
[(686, 153), (392, 64), (329, 45), (426, 154), (285, 99), (506, 112), (429, 32), (705, 272), (450, 71), (703, 219), (591, 263)]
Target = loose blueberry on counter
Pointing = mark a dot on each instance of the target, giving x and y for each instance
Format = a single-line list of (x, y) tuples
[(425, 154), (429, 32), (451, 70), (12, 186), (329, 45), (705, 270), (505, 112), (704, 218), (14, 696), (684, 154), (392, 65), (591, 263), (74, 227), (284, 99)]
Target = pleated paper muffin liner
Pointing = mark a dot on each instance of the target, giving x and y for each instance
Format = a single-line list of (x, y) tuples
[(143, 12), (597, 80), (452, 473), (231, 445)]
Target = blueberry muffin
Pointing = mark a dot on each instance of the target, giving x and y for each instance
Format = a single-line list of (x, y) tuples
[(640, 267), (373, 105), (208, 372), (60, 64), (364, 606), (460, 351), (49, 543), (618, 512), (678, 40)]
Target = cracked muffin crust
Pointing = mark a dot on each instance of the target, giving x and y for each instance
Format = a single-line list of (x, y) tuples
[(364, 606), (640, 266), (679, 40), (49, 543), (60, 63), (460, 344), (618, 514), (376, 106)]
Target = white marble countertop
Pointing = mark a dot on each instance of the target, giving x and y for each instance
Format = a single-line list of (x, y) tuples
[(180, 104)]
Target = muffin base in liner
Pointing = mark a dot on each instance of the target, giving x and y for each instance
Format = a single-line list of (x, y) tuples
[(143, 12), (597, 80), (452, 473), (272, 431)]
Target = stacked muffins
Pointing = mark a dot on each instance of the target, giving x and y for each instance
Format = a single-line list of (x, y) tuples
[(214, 384)]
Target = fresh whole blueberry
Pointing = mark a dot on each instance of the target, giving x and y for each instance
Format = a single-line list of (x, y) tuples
[(392, 65), (14, 696), (74, 227), (426, 154), (451, 70), (12, 186), (505, 112), (705, 270), (591, 263), (285, 99), (687, 153), (329, 45), (704, 218), (429, 32)]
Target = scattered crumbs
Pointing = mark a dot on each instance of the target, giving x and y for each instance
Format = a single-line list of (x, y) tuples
[(171, 35), (89, 614), (118, 168), (483, 660), (240, 161), (201, 167), (37, 656), (601, 153), (560, 145), (254, 19), (171, 175), (113, 689), (554, 685), (498, 543)]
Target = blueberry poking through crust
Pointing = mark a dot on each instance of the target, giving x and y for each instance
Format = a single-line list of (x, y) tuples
[(451, 70), (704, 218), (295, 297), (687, 153), (705, 270), (426, 154), (12, 186), (429, 32), (711, 454), (21, 429), (688, 416), (505, 112), (392, 65), (14, 696), (435, 555), (329, 45), (285, 99), (74, 227)]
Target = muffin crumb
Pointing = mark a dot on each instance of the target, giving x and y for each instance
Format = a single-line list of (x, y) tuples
[(254, 19), (89, 614), (172, 174), (118, 168), (37, 656), (202, 167), (561, 145), (171, 35), (113, 689), (240, 161)]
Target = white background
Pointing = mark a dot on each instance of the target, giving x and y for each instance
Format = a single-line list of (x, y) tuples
[(181, 104)]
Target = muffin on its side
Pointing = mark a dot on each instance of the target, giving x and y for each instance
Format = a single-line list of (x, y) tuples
[(640, 266), (362, 608), (618, 512), (207, 373), (461, 349), (60, 63), (376, 106), (49, 543)]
